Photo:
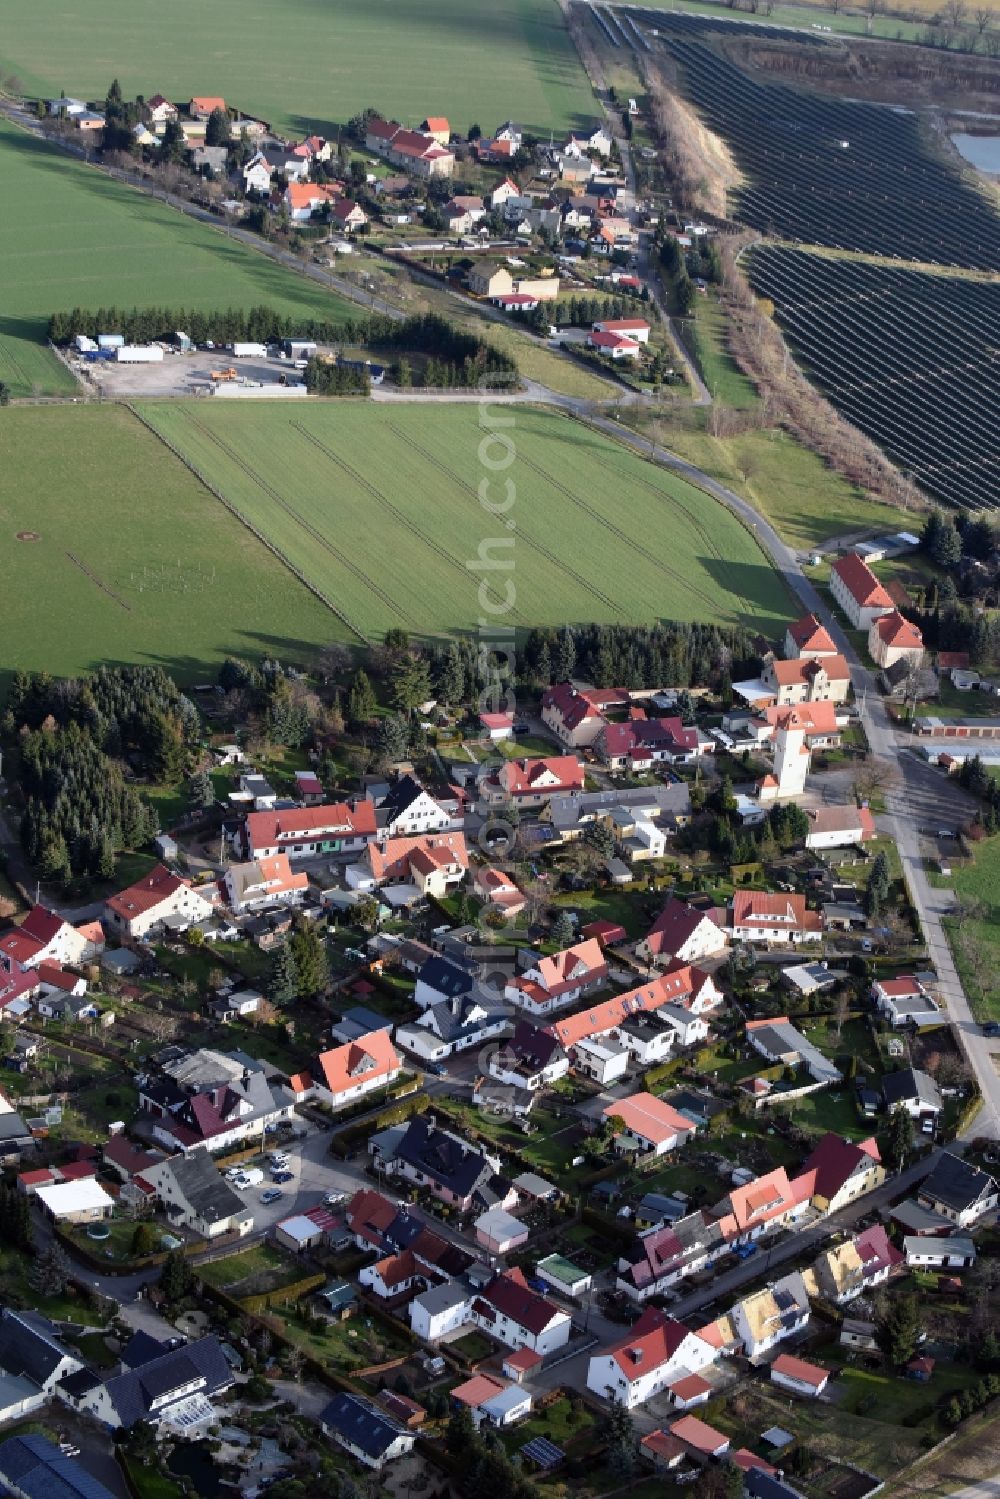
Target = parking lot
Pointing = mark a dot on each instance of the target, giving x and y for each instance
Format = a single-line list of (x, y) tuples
[(181, 374), (315, 1173)]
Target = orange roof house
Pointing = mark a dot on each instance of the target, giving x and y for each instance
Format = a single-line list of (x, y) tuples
[(344, 1073), (203, 105)]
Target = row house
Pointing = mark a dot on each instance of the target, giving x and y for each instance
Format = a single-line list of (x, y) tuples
[(688, 987), (643, 742), (770, 1316), (861, 1263), (310, 832), (413, 150), (659, 1258)]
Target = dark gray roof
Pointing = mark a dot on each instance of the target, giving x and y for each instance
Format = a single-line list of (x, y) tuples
[(33, 1466), (133, 1393), (448, 979), (452, 1018), (760, 1485), (205, 1188), (140, 1349), (402, 794), (13, 1129), (910, 1082), (362, 1424), (447, 1160), (957, 1183), (30, 1345)]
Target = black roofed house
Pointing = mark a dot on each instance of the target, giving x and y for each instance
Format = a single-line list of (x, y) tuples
[(959, 1191), (454, 1025), (408, 809), (532, 1058), (450, 1168), (172, 1390), (32, 1467), (33, 1359), (912, 1090), (365, 1431), (440, 979)]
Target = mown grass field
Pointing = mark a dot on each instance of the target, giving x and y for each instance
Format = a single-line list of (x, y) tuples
[(163, 573), (975, 932), (311, 63), (383, 510), (71, 237)]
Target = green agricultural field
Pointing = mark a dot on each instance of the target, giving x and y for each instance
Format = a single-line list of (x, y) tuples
[(307, 64), (380, 508), (135, 561), (71, 237)]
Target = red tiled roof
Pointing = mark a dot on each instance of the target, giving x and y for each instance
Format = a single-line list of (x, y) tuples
[(801, 670), (758, 908), (42, 924), (595, 1020), (383, 129), (833, 1161), (901, 988), (370, 1056), (801, 1370), (676, 923), (744, 1459), (895, 630), (690, 1387), (510, 1294), (428, 852), (573, 707), (19, 947), (522, 1359), (611, 341), (332, 820), (953, 660), (604, 932), (151, 891), (818, 718), (653, 1341), (859, 580), (554, 774), (810, 635), (698, 1435), (58, 978), (436, 122), (650, 1117)]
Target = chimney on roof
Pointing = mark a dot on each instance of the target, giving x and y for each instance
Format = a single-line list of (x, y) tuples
[(636, 1355)]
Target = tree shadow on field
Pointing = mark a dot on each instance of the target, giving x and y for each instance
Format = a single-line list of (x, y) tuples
[(760, 600)]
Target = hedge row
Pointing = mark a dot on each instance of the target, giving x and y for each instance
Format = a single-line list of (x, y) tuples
[(294, 1292)]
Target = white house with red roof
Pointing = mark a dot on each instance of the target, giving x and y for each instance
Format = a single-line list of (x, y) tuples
[(684, 934), (799, 1377), (635, 328), (840, 827), (158, 111), (905, 1001), (767, 1203), (818, 719), (857, 591), (643, 742), (263, 882), (656, 1353), (203, 105), (418, 152), (157, 897), (348, 215), (649, 1125), (45, 937), (756, 916), (533, 783), (807, 637), (310, 832), (893, 638), (555, 982), (434, 863), (682, 988), (613, 345), (499, 891), (303, 199), (345, 1073), (807, 679), (510, 1311)]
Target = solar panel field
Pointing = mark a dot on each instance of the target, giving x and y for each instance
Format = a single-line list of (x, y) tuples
[(911, 359), (828, 171)]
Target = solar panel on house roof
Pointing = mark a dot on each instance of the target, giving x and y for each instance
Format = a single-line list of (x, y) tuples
[(543, 1452)]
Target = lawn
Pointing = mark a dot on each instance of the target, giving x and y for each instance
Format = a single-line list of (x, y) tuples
[(252, 1272), (975, 934), (71, 237), (806, 501), (346, 1346), (322, 480), (706, 331), (186, 588), (306, 66)]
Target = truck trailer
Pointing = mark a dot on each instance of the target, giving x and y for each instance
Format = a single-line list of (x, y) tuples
[(139, 354), (249, 351)]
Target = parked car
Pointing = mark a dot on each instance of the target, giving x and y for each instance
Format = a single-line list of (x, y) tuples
[(334, 1199), (282, 1176), (271, 1194)]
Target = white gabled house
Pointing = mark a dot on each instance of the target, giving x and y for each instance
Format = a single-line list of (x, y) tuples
[(657, 1352)]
